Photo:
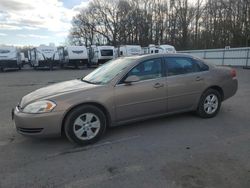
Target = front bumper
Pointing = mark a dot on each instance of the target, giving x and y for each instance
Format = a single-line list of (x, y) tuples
[(41, 125)]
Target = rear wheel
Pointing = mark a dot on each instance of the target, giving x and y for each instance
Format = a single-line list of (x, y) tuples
[(85, 125), (209, 104)]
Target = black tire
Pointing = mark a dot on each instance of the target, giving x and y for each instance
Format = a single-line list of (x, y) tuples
[(201, 107), (74, 114)]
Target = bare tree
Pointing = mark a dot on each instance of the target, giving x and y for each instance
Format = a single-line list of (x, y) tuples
[(186, 25)]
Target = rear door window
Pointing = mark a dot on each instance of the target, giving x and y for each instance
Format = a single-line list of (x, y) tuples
[(180, 65), (202, 65)]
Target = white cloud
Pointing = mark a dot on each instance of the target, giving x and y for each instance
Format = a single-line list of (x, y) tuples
[(84, 4), (33, 36), (9, 27), (30, 28), (48, 14), (62, 34), (39, 36), (3, 34), (22, 35), (37, 19)]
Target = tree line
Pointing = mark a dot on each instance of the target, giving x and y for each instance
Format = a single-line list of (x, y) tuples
[(193, 24)]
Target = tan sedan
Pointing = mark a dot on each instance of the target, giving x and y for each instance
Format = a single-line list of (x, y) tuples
[(125, 90)]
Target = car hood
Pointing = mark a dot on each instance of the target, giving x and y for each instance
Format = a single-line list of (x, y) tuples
[(55, 89)]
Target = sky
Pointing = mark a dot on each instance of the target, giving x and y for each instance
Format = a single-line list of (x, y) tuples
[(35, 22)]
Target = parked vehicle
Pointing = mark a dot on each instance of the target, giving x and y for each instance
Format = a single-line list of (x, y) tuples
[(56, 58), (129, 50), (22, 57), (43, 56), (145, 50), (29, 56), (10, 57), (156, 49), (73, 56), (165, 48), (153, 49), (100, 54), (125, 90)]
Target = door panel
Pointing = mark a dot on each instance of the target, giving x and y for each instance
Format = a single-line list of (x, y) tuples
[(140, 99), (185, 82), (183, 91), (145, 97)]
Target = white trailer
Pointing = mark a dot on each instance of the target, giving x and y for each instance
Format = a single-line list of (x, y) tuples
[(56, 58), (29, 55), (165, 48), (100, 54), (61, 55), (9, 57), (129, 50), (155, 49), (151, 49), (43, 56), (22, 57), (73, 56)]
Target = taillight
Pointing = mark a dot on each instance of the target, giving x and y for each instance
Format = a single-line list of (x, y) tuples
[(233, 73)]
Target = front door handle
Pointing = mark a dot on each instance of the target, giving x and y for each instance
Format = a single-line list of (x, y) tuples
[(198, 78), (158, 85)]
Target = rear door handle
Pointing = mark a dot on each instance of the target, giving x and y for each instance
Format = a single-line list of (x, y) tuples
[(158, 85), (198, 78)]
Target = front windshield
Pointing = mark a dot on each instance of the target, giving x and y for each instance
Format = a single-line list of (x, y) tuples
[(108, 71)]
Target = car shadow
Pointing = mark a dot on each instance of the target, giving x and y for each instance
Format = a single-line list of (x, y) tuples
[(61, 145)]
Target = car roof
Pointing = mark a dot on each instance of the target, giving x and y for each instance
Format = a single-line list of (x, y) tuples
[(150, 56)]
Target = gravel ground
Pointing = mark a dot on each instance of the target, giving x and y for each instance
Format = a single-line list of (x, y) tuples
[(180, 151)]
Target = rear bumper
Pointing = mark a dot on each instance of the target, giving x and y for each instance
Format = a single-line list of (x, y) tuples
[(230, 88), (40, 125)]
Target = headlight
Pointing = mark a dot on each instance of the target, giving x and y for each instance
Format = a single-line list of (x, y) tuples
[(39, 107)]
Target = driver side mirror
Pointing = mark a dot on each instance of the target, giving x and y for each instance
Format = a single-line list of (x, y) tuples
[(131, 79)]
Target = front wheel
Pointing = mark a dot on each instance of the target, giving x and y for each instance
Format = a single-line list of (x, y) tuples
[(209, 104), (85, 125)]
